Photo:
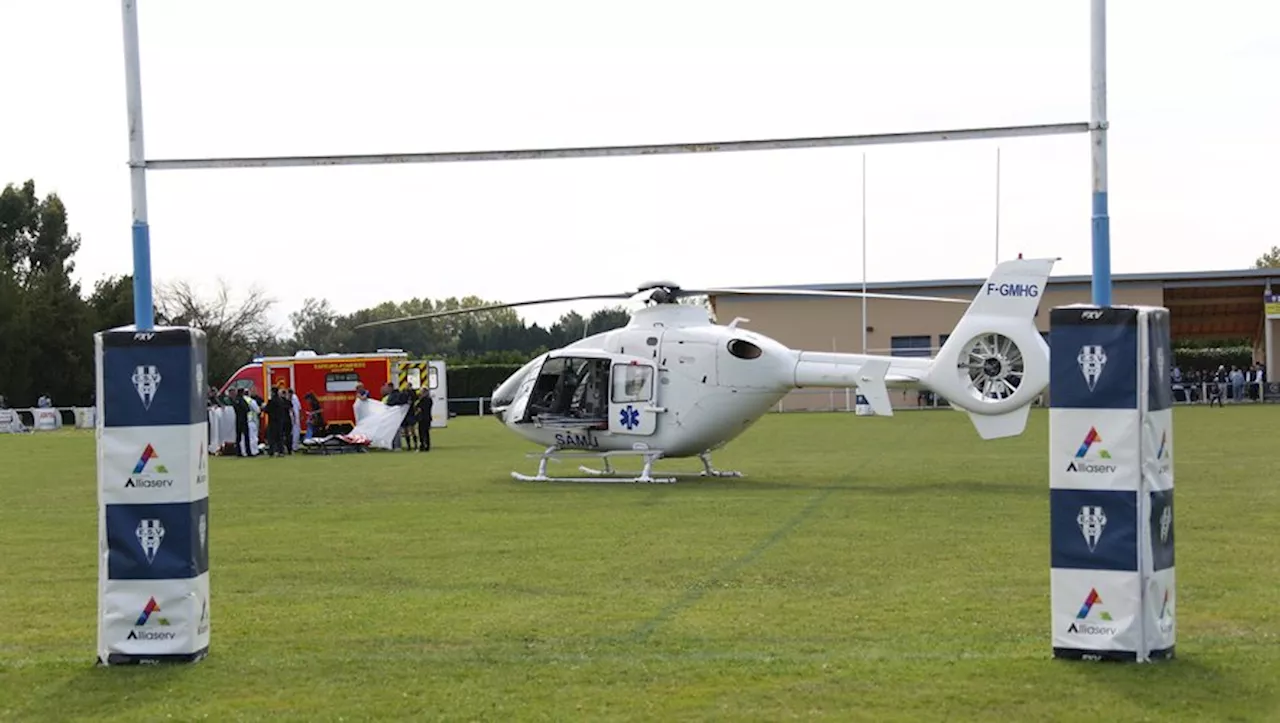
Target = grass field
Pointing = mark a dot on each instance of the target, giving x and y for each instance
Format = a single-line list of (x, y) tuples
[(866, 569)]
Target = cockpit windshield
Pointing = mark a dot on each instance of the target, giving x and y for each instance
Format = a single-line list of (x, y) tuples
[(506, 393)]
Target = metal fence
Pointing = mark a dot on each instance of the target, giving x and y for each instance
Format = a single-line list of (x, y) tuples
[(46, 418)]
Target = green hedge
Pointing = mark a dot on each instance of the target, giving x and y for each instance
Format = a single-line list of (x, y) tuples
[(1213, 357), (477, 380)]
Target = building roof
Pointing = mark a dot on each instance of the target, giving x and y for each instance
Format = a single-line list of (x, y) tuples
[(1239, 277), (1204, 304)]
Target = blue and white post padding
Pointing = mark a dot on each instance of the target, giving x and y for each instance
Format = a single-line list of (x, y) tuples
[(1111, 483), (153, 496)]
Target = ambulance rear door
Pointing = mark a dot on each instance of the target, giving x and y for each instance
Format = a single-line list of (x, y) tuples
[(429, 375)]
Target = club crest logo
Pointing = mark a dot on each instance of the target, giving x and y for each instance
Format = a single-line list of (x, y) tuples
[(150, 534), (146, 379), (1092, 520), (1091, 359)]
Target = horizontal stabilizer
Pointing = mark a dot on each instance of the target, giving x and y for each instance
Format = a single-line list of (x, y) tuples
[(996, 426), (871, 385)]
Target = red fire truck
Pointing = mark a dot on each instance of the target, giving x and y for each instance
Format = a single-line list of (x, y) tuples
[(333, 378)]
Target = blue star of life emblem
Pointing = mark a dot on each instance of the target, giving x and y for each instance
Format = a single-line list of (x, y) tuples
[(630, 417)]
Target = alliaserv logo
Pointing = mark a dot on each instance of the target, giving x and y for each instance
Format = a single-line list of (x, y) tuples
[(1091, 449)]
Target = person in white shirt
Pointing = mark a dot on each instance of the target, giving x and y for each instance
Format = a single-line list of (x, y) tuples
[(255, 414), (297, 416)]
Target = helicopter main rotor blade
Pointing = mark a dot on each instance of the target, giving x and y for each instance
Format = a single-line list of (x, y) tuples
[(811, 292), (491, 307)]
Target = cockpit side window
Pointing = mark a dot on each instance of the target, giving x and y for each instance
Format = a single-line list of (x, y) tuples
[(632, 383)]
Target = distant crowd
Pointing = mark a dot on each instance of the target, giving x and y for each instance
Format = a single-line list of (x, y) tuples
[(1219, 386)]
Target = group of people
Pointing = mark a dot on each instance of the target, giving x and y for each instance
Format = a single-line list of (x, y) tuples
[(415, 429), (284, 420), (1218, 386)]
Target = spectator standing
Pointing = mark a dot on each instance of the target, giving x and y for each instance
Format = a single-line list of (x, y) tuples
[(278, 412), (1218, 386), (423, 414), (255, 419), (409, 427), (240, 406), (295, 406), (1236, 377), (393, 397)]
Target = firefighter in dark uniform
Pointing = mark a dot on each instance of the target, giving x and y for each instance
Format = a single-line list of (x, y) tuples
[(279, 425), (422, 410), (241, 407), (408, 427)]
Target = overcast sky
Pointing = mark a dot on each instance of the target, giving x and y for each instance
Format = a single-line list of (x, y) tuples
[(1193, 101)]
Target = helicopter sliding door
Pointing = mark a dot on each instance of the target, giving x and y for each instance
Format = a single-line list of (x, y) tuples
[(632, 389), (568, 390)]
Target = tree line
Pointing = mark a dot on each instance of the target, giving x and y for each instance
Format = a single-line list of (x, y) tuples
[(47, 320)]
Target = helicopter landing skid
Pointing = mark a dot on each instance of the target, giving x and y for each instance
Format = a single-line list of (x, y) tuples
[(554, 453), (707, 471)]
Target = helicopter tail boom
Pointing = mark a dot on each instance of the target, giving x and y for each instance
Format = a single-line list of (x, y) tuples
[(871, 375)]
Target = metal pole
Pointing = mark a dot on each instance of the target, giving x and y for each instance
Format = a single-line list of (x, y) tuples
[(1098, 141), (657, 149), (997, 205), (864, 253), (1269, 362), (143, 311), (1269, 365)]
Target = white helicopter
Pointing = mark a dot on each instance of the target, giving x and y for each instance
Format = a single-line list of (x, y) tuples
[(674, 384)]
